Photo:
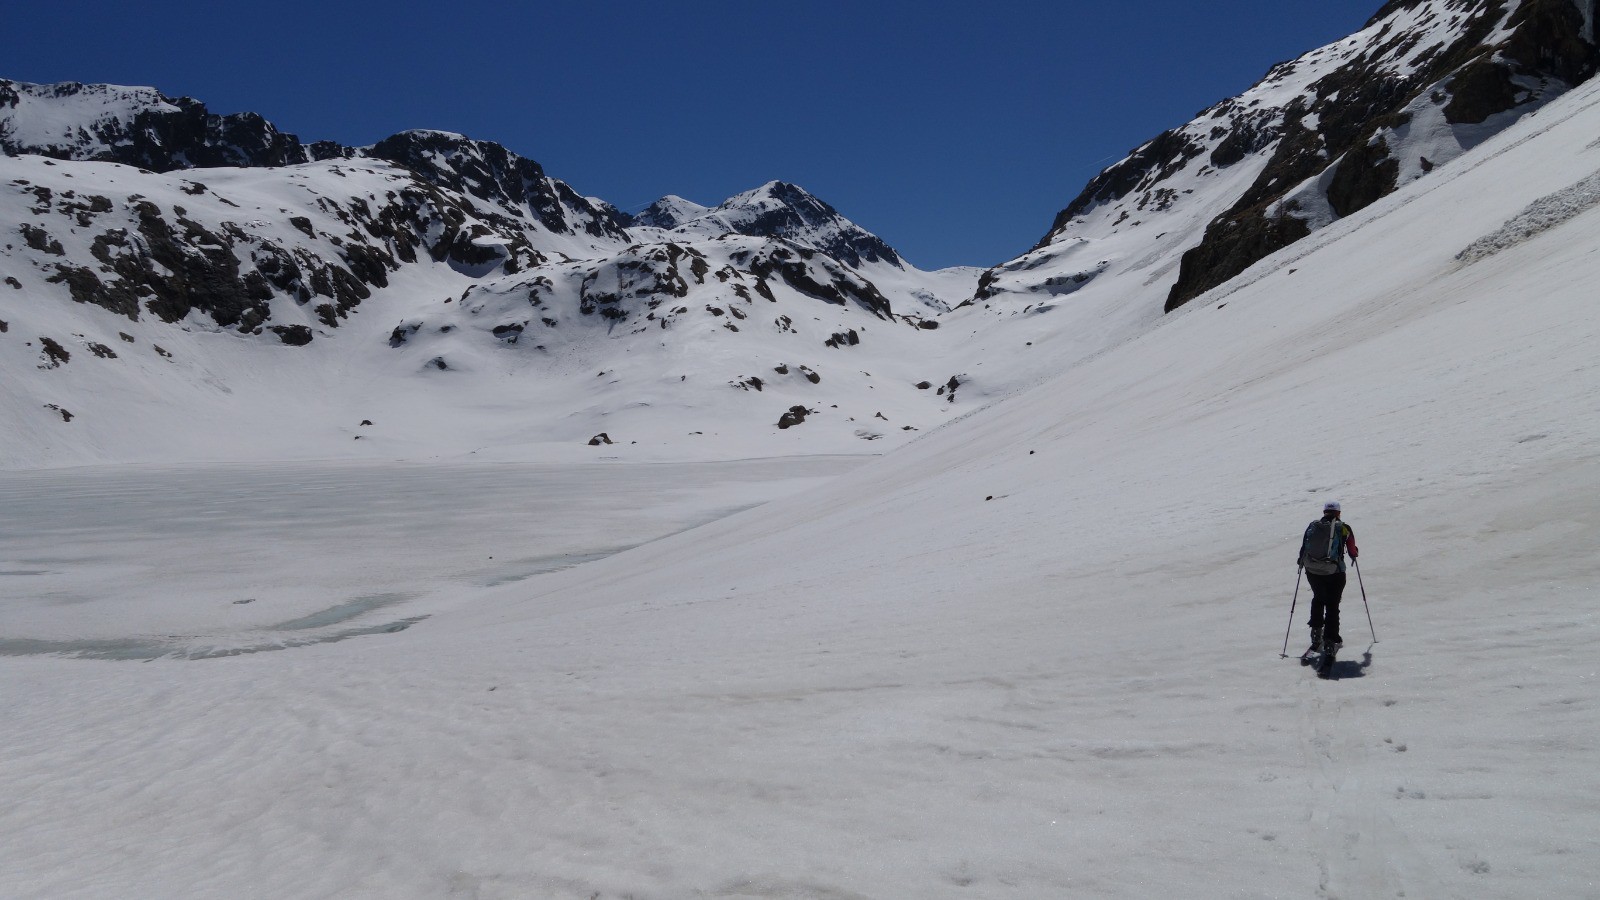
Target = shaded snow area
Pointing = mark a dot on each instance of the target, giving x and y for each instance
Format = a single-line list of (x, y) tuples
[(1034, 652)]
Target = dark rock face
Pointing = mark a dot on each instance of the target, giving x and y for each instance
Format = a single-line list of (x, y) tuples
[(843, 339), (54, 354), (1366, 174), (164, 135), (293, 335), (800, 216), (169, 263), (639, 277), (1479, 91), (1150, 163), (1356, 104), (1237, 246), (795, 415), (804, 270), (490, 172), (1338, 144)]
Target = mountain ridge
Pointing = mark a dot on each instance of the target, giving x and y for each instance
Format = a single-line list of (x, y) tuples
[(485, 271), (1341, 126)]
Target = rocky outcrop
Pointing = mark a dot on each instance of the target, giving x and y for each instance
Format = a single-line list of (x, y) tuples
[(1319, 138), (137, 127), (491, 173), (143, 128), (1352, 121), (181, 249)]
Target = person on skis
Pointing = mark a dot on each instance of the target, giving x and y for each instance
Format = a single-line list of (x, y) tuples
[(1322, 552)]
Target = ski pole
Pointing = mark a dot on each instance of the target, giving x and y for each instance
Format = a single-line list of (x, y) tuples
[(1297, 574), (1363, 604)]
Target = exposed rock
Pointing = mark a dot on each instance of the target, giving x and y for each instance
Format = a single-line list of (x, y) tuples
[(843, 339), (1358, 105), (159, 133), (490, 172), (601, 438), (794, 416), (1366, 173), (38, 239), (293, 335), (54, 354)]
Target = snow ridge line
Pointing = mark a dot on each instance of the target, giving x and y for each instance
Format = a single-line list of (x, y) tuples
[(1540, 216)]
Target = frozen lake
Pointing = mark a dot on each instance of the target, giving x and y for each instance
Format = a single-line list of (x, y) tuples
[(137, 562)]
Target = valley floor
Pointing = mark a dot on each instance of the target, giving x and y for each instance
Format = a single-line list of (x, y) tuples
[(1109, 727)]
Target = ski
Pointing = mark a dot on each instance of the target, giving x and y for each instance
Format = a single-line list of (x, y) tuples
[(1325, 663), (1306, 657)]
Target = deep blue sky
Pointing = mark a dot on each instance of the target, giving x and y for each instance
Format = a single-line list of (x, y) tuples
[(954, 130)]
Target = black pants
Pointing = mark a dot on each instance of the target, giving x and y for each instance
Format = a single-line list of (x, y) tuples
[(1325, 593)]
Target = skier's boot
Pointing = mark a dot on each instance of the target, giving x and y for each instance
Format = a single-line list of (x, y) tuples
[(1330, 647)]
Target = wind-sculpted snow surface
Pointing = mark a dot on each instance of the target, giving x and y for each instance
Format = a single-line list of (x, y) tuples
[(1033, 654)]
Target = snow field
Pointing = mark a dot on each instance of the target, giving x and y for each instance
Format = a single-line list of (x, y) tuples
[(144, 562)]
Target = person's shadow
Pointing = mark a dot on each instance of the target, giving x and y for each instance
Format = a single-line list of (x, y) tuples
[(1349, 668)]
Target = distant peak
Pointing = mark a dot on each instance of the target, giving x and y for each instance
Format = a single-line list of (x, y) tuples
[(435, 134), (669, 212)]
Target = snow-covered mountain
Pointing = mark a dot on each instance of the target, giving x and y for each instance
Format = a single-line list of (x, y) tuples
[(468, 267), (136, 301), (775, 209), (1319, 138), (138, 126), (667, 213), (462, 277)]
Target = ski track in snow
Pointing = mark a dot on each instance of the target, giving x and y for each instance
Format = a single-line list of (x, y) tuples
[(1362, 854)]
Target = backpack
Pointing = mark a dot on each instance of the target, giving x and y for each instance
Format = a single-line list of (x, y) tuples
[(1323, 545)]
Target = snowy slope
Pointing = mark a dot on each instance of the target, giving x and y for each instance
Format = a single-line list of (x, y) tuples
[(1032, 654), (1319, 138)]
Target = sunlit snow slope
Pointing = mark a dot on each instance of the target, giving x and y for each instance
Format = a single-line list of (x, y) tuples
[(1033, 654)]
